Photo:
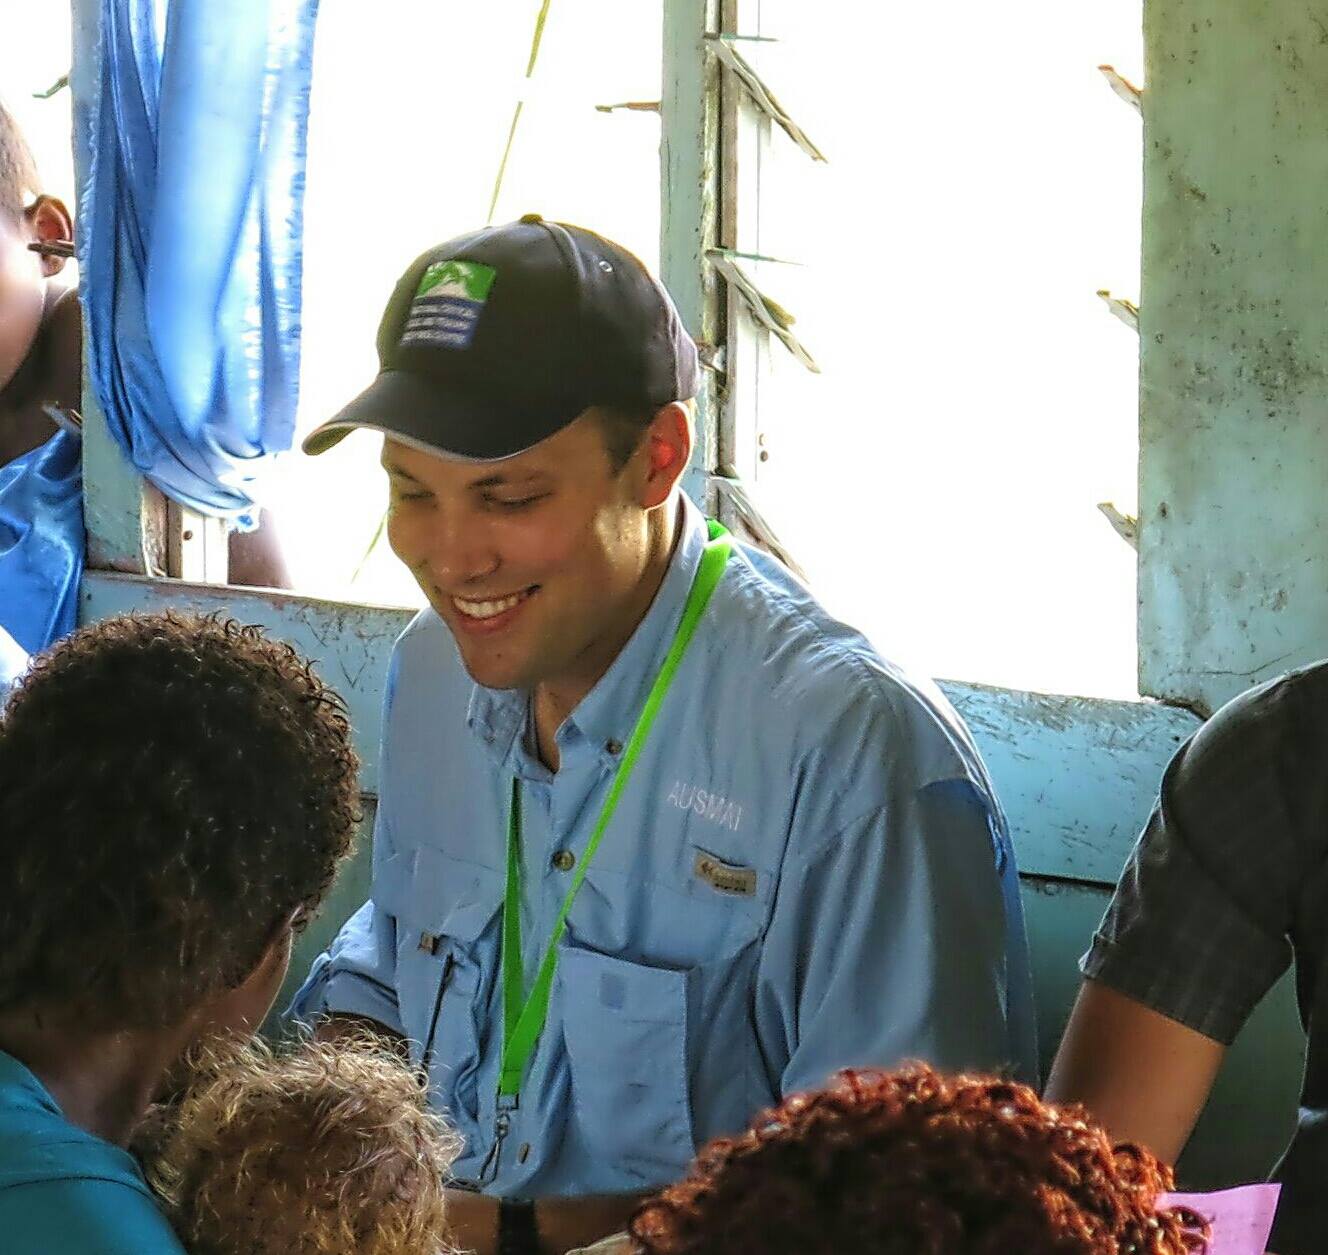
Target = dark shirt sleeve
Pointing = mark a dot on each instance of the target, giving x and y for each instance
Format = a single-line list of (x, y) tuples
[(1201, 923)]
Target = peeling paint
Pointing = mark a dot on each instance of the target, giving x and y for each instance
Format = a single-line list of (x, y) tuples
[(1077, 776)]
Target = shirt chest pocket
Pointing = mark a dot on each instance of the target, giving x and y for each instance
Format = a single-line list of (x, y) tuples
[(656, 1050), (446, 913)]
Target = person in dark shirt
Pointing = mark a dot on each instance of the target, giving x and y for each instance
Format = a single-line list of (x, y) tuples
[(1227, 885)]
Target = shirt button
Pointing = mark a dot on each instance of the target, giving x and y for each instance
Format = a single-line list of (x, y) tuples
[(564, 861), (614, 748)]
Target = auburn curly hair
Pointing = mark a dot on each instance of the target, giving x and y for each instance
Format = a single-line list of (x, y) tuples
[(916, 1163), (328, 1150), (172, 789)]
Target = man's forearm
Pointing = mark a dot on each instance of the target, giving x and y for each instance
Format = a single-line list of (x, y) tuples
[(563, 1224), (473, 1222), (567, 1223), (339, 1027)]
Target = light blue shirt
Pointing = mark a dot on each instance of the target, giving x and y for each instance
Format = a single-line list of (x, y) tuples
[(808, 870), (63, 1190)]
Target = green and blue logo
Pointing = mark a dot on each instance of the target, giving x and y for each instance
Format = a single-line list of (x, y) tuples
[(448, 304)]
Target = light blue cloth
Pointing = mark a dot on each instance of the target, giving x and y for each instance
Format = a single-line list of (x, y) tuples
[(189, 128), (41, 542), (846, 796), (63, 1191)]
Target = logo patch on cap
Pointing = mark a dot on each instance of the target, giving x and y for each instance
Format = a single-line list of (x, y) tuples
[(447, 304)]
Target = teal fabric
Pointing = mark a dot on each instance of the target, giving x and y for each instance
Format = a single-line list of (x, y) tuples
[(61, 1189)]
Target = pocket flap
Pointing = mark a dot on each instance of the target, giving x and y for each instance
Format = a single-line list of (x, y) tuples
[(433, 892), (600, 989)]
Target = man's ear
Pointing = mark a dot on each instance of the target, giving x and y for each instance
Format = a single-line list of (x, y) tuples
[(668, 449), (49, 220)]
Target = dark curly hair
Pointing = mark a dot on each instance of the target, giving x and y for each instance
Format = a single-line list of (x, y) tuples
[(915, 1163), (172, 788)]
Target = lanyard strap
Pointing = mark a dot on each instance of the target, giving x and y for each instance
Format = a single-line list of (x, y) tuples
[(523, 1020)]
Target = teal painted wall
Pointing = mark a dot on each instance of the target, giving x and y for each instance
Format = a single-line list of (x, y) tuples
[(1233, 426)]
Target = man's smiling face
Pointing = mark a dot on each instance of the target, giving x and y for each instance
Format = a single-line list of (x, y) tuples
[(532, 561)]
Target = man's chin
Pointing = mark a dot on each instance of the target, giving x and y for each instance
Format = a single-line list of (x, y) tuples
[(491, 673), (501, 681)]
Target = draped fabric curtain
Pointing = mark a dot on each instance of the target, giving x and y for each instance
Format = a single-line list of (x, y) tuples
[(190, 121)]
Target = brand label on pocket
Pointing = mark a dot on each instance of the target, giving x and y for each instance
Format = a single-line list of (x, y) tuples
[(726, 877)]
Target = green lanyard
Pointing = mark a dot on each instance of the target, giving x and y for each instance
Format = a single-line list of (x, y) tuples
[(523, 1020)]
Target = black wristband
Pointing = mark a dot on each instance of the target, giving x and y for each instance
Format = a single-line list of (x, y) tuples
[(518, 1234)]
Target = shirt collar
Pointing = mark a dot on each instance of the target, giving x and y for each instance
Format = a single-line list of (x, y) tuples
[(606, 715), (495, 718), (16, 1075)]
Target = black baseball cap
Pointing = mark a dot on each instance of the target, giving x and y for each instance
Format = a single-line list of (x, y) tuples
[(498, 339)]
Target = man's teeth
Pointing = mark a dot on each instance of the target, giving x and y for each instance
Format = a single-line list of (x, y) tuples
[(487, 609)]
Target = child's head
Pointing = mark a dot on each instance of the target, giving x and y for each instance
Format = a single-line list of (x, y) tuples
[(26, 217), (330, 1150), (177, 795), (915, 1163), (18, 170)]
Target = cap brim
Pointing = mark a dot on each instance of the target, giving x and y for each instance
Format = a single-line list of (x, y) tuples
[(419, 411)]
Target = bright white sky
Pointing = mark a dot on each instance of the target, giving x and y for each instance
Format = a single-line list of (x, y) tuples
[(939, 479)]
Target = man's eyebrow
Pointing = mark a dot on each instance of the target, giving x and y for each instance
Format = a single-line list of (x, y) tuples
[(500, 480), (496, 480)]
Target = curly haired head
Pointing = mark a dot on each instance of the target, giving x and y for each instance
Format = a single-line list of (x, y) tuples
[(172, 790), (915, 1163), (331, 1150)]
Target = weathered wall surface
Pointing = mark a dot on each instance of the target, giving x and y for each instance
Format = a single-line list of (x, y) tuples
[(1233, 553)]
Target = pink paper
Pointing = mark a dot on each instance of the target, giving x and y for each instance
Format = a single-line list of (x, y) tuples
[(1241, 1218)]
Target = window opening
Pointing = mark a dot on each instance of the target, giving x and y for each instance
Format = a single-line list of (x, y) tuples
[(939, 479), (406, 135)]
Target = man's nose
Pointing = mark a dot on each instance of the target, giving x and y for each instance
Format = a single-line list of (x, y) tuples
[(459, 552)]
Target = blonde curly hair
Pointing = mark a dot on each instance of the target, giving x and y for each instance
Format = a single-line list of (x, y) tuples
[(327, 1149)]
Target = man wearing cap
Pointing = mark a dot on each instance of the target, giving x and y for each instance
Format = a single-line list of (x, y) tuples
[(658, 841)]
